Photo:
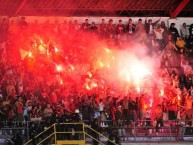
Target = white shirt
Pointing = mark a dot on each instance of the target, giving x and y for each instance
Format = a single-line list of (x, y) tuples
[(158, 34), (101, 106), (26, 109), (130, 29), (184, 31), (148, 113), (151, 29)]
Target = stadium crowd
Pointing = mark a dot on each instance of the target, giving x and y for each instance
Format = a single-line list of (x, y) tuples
[(27, 94)]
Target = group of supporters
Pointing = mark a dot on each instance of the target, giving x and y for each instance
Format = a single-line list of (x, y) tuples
[(26, 94)]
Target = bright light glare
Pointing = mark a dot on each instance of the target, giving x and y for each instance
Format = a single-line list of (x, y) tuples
[(178, 97), (162, 92), (135, 72), (151, 102), (89, 74), (30, 54), (61, 82), (138, 89), (87, 87), (59, 68), (107, 50), (56, 49), (139, 71), (101, 64), (72, 67), (94, 85)]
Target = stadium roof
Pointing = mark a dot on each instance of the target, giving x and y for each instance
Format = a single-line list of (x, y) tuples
[(171, 8)]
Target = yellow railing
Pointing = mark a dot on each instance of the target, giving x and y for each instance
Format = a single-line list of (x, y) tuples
[(99, 135), (46, 139), (54, 132), (30, 141)]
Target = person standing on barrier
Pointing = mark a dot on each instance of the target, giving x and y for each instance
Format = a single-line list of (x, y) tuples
[(181, 124), (48, 112), (27, 110), (132, 110), (95, 135), (112, 113), (189, 110), (125, 110), (158, 118), (77, 127), (172, 110), (141, 109), (188, 103), (102, 112), (165, 109), (148, 120), (65, 127), (137, 108), (119, 115), (19, 109)]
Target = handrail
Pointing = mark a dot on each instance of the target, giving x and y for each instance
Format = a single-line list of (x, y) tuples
[(44, 130), (55, 132), (100, 134), (28, 141), (45, 138), (39, 134), (95, 139), (168, 122), (84, 131), (85, 125)]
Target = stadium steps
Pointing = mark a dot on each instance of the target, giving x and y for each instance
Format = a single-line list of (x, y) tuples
[(70, 142)]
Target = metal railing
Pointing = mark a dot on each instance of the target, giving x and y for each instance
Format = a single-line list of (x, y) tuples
[(89, 128), (172, 130), (11, 128), (66, 132)]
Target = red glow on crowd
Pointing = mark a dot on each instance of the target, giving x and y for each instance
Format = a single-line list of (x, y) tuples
[(93, 66), (86, 63)]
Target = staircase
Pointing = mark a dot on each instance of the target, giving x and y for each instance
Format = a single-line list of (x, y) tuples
[(67, 134), (68, 142)]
